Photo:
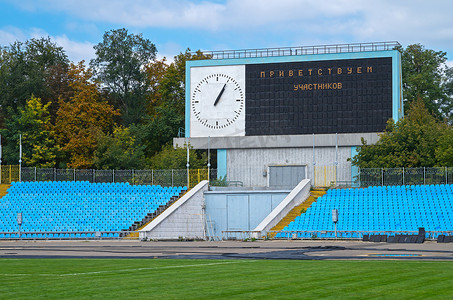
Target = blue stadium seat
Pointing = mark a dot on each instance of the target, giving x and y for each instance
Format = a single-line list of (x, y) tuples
[(395, 208), (79, 206)]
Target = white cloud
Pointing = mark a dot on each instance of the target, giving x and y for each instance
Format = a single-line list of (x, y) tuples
[(169, 50), (408, 21), (9, 35), (139, 13), (75, 50)]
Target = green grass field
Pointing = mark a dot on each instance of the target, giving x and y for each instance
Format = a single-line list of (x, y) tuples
[(214, 279)]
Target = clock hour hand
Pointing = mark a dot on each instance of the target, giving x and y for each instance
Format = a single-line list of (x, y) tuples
[(220, 95)]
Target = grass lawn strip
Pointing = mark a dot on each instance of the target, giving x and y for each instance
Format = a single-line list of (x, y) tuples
[(232, 279)]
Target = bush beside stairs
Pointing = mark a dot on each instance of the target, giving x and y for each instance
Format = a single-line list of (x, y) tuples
[(297, 211), (4, 189)]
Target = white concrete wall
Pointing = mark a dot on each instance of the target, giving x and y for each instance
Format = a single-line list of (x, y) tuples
[(298, 195), (184, 219)]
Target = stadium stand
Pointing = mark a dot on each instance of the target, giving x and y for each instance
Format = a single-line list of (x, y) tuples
[(80, 206), (391, 209)]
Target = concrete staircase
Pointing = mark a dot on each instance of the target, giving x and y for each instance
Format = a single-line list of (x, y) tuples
[(138, 225), (298, 210), (4, 189)]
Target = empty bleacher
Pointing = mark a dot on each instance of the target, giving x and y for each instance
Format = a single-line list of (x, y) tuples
[(389, 209), (79, 206)]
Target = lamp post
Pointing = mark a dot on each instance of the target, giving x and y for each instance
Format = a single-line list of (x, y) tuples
[(209, 161), (188, 165), (20, 156), (0, 158)]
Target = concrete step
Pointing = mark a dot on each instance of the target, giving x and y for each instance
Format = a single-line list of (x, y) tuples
[(138, 225), (298, 210)]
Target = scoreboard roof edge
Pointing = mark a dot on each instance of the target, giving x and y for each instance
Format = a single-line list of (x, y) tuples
[(293, 58)]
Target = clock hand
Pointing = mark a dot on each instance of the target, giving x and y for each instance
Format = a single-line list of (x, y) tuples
[(220, 95)]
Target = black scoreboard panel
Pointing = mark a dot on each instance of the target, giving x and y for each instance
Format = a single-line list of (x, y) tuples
[(335, 96)]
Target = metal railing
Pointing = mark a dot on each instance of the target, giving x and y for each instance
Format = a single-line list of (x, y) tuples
[(301, 50), (60, 235), (404, 176), (328, 176), (170, 177), (321, 234)]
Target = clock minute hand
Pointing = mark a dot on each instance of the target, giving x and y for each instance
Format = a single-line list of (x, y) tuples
[(220, 95)]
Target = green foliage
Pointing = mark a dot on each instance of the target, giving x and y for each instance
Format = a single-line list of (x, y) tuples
[(83, 119), (119, 64), (419, 140), (26, 70), (166, 105), (77, 119), (160, 129), (168, 113), (170, 158), (425, 76), (222, 181), (444, 149), (38, 138), (119, 151), (172, 85)]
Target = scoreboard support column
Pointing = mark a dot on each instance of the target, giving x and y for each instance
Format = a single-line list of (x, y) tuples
[(221, 163)]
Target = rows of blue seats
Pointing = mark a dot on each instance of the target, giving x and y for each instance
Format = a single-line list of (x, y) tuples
[(79, 206), (395, 208)]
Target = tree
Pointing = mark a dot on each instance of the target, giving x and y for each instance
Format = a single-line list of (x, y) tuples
[(155, 72), (25, 69), (447, 106), (119, 65), (83, 119), (119, 150), (173, 85), (170, 158), (444, 150), (168, 113), (426, 77), (411, 142), (38, 137)]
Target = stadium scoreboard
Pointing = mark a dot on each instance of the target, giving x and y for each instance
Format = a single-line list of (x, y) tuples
[(293, 95)]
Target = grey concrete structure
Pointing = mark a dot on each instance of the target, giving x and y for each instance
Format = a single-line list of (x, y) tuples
[(278, 141), (249, 158), (251, 166)]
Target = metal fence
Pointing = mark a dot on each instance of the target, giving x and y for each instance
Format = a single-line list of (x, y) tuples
[(246, 177), (9, 173), (404, 176), (170, 177)]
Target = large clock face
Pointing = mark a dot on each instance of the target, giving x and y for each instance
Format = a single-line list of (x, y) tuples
[(217, 102)]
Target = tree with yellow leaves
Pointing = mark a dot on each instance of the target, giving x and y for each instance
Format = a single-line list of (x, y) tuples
[(82, 119), (38, 143)]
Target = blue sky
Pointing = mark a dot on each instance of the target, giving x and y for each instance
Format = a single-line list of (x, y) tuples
[(174, 25)]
